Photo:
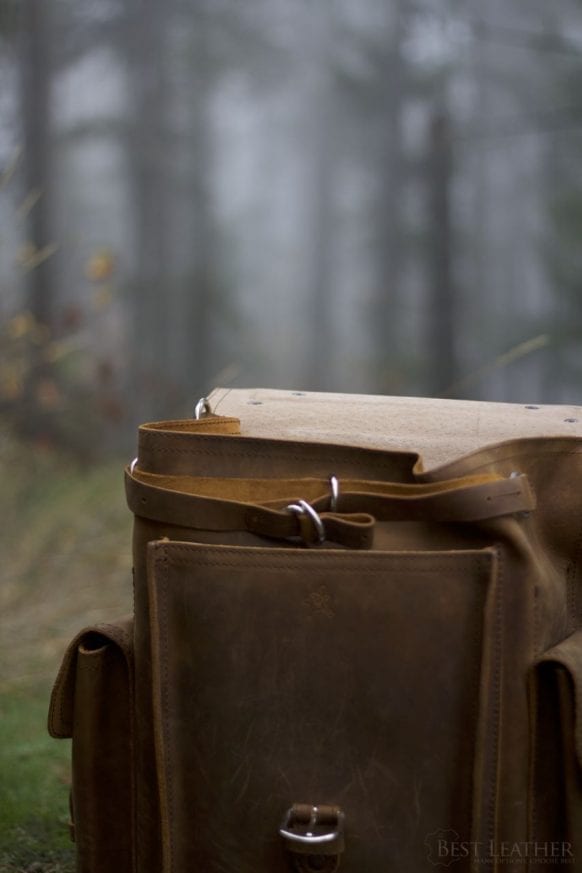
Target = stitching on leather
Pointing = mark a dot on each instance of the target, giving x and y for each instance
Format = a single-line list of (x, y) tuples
[(571, 598), (571, 576), (533, 713), (161, 561), (536, 624), (536, 710), (171, 425), (478, 636), (376, 464), (356, 452), (442, 564), (348, 455), (497, 665), (142, 795), (132, 753)]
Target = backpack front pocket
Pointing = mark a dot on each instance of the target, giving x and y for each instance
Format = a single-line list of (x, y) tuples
[(364, 681)]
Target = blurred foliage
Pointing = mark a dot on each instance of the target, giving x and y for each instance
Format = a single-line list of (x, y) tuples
[(65, 539), (44, 394), (55, 391)]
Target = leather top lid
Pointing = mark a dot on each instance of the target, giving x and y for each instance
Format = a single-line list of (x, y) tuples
[(439, 430)]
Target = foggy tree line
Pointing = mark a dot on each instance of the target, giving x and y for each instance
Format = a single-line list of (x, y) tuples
[(382, 197)]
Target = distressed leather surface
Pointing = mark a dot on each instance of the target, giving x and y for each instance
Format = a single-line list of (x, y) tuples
[(438, 430), (306, 677), (420, 668)]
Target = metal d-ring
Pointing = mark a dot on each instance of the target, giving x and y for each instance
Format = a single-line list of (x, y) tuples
[(335, 490), (202, 408), (302, 507)]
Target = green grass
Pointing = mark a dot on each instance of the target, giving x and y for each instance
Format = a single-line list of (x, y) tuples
[(65, 539), (34, 788)]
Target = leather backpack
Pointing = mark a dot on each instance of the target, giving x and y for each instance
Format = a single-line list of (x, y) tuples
[(357, 644)]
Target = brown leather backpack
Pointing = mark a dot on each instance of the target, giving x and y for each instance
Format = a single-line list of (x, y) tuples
[(357, 644)]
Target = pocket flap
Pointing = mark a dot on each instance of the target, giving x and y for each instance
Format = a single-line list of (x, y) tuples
[(284, 676), (118, 635), (568, 655)]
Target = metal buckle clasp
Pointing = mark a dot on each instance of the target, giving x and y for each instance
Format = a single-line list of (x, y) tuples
[(314, 830), (302, 507)]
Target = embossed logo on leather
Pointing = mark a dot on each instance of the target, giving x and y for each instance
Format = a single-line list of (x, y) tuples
[(320, 602)]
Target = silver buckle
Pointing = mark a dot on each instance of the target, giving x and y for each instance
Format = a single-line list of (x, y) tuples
[(311, 836), (302, 507)]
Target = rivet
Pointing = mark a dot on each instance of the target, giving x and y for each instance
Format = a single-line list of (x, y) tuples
[(255, 402), (571, 420), (532, 407), (298, 393)]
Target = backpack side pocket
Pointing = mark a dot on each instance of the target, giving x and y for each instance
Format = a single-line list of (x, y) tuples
[(92, 703), (556, 802)]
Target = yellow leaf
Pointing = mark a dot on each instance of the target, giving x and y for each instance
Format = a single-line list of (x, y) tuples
[(100, 266), (21, 325)]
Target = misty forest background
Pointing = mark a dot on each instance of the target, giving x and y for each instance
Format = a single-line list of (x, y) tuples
[(379, 196), (382, 196)]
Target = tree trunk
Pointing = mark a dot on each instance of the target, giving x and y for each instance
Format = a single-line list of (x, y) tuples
[(147, 161), (195, 333), (389, 216), (34, 416), (320, 123), (441, 304), (35, 69)]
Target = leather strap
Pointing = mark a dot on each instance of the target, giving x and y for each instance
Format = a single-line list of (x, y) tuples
[(471, 499), (282, 490), (354, 530), (187, 447)]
